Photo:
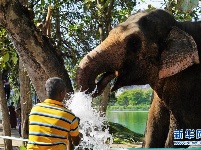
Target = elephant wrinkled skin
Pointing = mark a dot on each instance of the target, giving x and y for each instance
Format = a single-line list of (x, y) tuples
[(152, 48)]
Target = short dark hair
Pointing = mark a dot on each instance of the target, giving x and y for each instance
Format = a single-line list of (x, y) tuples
[(54, 86)]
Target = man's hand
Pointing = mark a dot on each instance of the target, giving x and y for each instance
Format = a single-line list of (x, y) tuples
[(76, 139)]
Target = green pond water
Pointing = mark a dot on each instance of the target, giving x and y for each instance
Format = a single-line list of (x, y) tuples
[(133, 120)]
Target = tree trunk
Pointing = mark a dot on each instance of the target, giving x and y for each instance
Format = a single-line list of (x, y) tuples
[(5, 116), (104, 99), (58, 29), (105, 95), (59, 42), (107, 13), (25, 99), (34, 49)]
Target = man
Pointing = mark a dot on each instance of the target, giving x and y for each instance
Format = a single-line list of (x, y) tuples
[(50, 123), (13, 119)]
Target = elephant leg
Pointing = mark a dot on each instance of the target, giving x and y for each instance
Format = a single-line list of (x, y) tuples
[(173, 126), (157, 124)]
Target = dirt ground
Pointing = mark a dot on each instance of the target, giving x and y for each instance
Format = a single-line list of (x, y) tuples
[(17, 143)]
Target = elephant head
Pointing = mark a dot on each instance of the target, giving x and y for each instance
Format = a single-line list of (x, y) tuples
[(147, 47)]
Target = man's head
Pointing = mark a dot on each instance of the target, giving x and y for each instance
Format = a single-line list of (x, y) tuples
[(55, 88)]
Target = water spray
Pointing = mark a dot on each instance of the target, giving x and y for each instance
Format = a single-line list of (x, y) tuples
[(95, 132)]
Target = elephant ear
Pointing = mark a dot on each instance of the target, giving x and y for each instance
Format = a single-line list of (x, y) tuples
[(180, 53)]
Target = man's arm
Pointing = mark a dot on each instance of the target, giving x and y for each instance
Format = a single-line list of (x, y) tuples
[(76, 139), (70, 144), (75, 135)]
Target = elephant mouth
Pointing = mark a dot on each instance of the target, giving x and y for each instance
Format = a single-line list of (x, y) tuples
[(102, 81)]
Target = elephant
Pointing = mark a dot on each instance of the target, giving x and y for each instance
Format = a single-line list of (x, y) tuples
[(151, 47)]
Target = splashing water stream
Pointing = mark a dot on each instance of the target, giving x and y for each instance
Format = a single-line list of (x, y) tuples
[(92, 125)]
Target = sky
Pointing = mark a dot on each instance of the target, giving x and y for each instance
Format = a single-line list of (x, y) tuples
[(159, 4), (154, 3)]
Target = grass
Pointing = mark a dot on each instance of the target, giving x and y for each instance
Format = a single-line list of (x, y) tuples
[(122, 135)]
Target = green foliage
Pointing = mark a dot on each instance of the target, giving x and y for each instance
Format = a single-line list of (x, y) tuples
[(183, 10), (134, 97), (9, 62), (8, 56), (14, 97), (187, 5), (122, 134), (22, 148)]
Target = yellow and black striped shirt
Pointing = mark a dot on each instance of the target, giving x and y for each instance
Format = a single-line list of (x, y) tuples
[(49, 126)]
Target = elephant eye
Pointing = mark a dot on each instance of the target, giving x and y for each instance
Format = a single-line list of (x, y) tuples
[(134, 43)]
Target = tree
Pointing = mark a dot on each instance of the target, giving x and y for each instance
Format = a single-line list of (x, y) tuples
[(134, 97), (123, 99), (34, 49), (148, 95), (7, 59), (25, 99), (5, 115), (104, 11), (183, 10)]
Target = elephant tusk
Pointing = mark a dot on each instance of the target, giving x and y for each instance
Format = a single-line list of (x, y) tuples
[(116, 73)]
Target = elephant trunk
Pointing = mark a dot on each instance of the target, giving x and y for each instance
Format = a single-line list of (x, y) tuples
[(103, 61)]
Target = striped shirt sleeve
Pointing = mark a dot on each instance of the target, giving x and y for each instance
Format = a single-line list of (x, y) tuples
[(74, 127)]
